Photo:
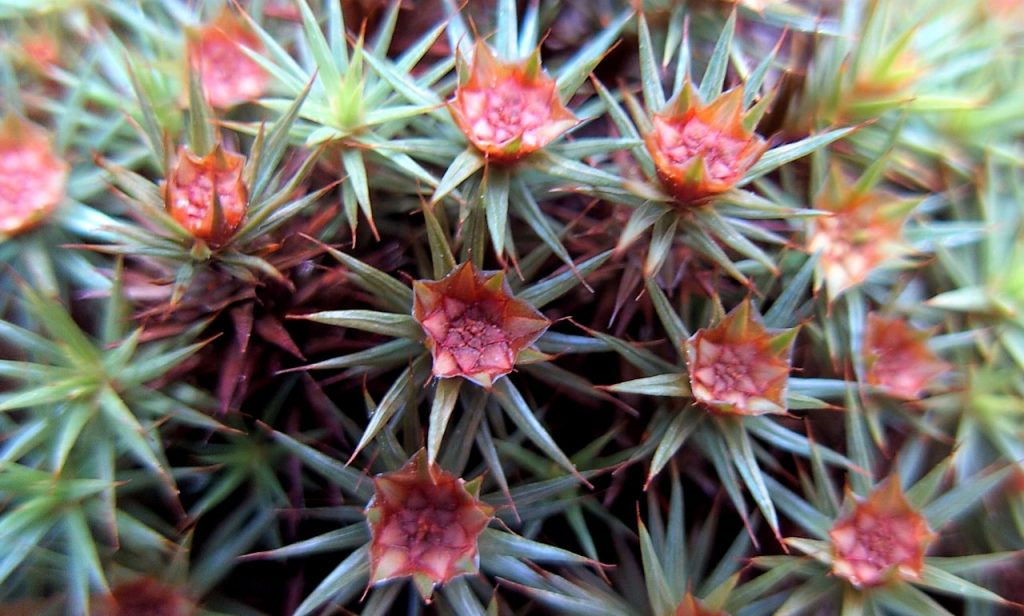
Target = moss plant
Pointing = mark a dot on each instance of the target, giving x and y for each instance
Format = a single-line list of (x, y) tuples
[(613, 308)]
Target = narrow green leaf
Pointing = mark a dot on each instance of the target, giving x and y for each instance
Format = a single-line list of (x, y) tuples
[(673, 325), (650, 75), (799, 510), (201, 138), (526, 206), (494, 541), (506, 35), (551, 288), (965, 496), (446, 394), (321, 51), (150, 125), (462, 600), (738, 443), (353, 482), (713, 82), (336, 33), (350, 574), (950, 584), (496, 189), (391, 293), (807, 595), (776, 157), (675, 385), (574, 72), (392, 402), (131, 432), (530, 31), (658, 591), (773, 433), (275, 143), (385, 323), (663, 236), (907, 600), (343, 538), (522, 415), (386, 355), (441, 255), (783, 312), (683, 424), (464, 166), (355, 167)]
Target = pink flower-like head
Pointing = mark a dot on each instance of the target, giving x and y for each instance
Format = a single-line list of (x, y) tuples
[(898, 359), (740, 367), (474, 326), (32, 178), (508, 110), (425, 523), (228, 75), (702, 150), (881, 538), (207, 194), (862, 232)]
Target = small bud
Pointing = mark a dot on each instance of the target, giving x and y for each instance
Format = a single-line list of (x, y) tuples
[(508, 110), (207, 195), (740, 367), (897, 358), (474, 326), (425, 523), (145, 597), (702, 150), (228, 75), (32, 177), (881, 538)]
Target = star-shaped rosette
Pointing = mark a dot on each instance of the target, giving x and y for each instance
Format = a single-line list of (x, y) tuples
[(740, 367), (424, 524), (220, 206), (690, 182), (871, 547), (508, 110), (464, 323), (730, 376), (897, 359), (701, 150), (475, 328), (33, 178), (413, 521), (881, 537), (207, 194)]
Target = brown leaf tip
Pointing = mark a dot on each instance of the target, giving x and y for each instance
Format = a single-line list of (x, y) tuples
[(228, 75), (32, 177), (898, 359)]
